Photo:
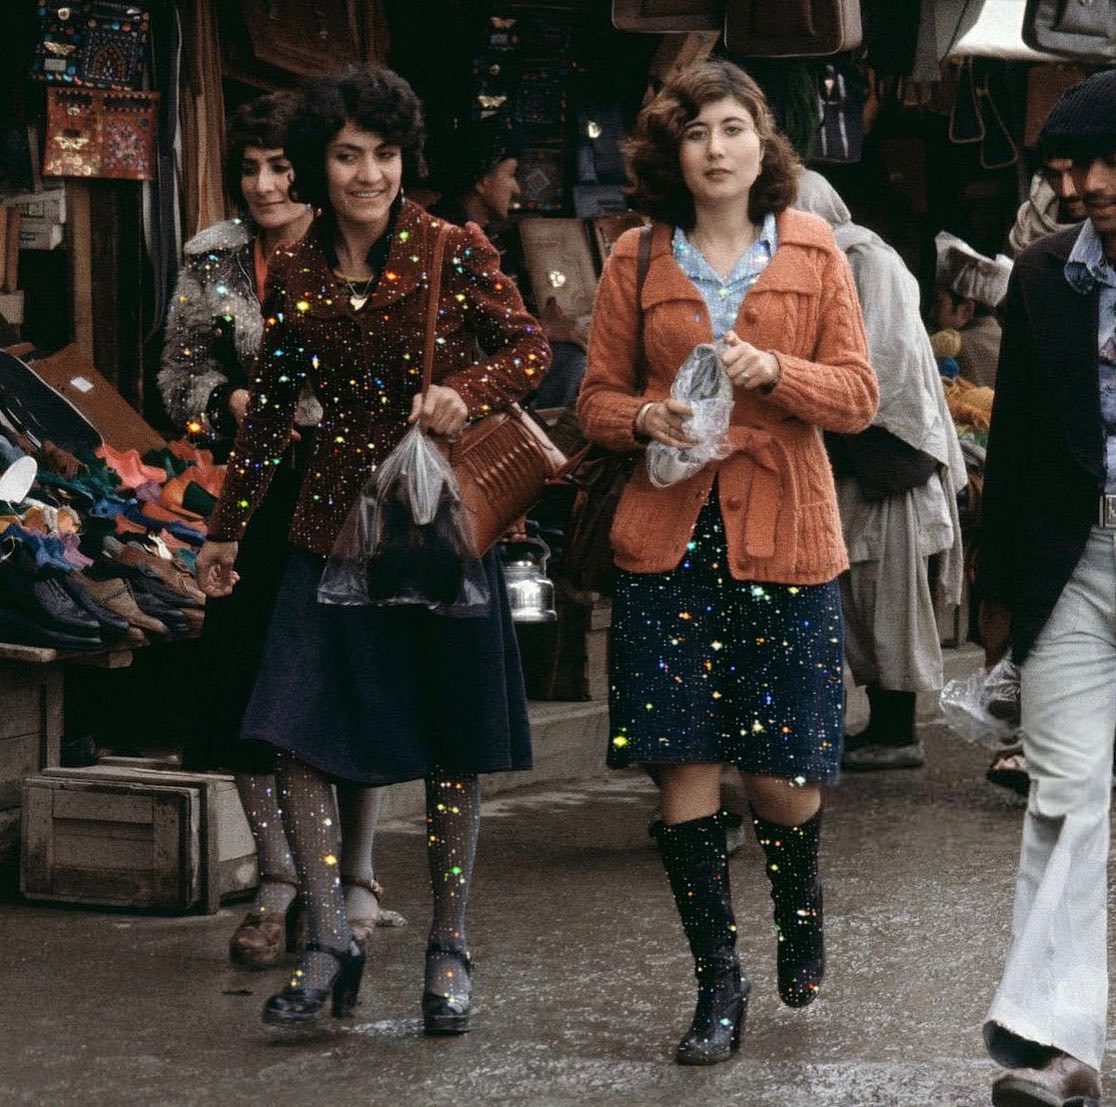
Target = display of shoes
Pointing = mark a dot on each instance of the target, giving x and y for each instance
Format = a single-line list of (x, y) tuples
[(117, 596)]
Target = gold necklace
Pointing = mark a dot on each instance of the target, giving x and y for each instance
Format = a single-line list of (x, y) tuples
[(358, 299)]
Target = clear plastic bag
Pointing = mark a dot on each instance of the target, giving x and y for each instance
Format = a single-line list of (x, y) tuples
[(983, 708), (703, 384), (402, 542)]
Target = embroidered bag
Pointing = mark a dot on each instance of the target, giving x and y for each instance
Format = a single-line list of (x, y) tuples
[(92, 43), (100, 133)]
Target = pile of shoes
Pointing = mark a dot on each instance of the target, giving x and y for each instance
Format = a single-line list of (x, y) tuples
[(97, 545)]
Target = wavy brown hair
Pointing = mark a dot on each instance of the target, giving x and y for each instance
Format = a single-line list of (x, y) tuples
[(261, 122), (372, 98), (652, 151)]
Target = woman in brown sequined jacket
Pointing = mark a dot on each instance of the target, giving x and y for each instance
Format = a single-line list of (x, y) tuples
[(369, 694)]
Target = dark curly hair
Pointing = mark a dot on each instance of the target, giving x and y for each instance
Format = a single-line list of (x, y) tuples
[(370, 97), (654, 170), (262, 122)]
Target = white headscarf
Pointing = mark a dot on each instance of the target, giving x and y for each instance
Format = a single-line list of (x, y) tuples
[(912, 401)]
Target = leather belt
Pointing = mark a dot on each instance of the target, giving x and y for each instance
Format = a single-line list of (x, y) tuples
[(1106, 511)]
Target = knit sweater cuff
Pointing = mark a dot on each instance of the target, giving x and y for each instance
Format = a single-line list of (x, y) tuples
[(614, 424)]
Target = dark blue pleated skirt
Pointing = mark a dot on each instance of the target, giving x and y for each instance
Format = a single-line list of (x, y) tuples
[(382, 695), (705, 668)]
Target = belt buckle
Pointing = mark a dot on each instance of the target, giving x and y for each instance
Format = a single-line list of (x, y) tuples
[(1107, 514)]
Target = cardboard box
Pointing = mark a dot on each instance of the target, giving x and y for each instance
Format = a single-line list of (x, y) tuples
[(142, 838), (34, 234), (48, 206), (71, 372), (11, 306)]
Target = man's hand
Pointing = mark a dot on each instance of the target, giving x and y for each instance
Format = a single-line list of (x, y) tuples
[(994, 621), (215, 572), (443, 411)]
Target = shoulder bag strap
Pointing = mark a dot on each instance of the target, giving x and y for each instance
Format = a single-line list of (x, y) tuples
[(643, 263), (433, 294)]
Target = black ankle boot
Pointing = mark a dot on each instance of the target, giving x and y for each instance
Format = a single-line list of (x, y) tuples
[(448, 1012), (796, 891), (297, 1005), (696, 863)]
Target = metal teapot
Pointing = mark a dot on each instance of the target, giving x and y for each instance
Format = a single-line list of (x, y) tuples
[(530, 590)]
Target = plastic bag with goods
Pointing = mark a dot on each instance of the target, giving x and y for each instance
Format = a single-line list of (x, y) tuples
[(703, 384), (983, 708), (403, 541)]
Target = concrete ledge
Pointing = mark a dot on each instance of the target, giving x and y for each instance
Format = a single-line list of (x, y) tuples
[(569, 744)]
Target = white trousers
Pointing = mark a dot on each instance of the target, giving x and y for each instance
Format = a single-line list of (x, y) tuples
[(1054, 990)]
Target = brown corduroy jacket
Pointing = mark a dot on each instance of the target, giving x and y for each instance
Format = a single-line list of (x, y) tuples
[(365, 366), (776, 487)]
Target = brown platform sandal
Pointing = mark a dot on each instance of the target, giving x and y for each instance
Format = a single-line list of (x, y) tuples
[(261, 939), (362, 928)]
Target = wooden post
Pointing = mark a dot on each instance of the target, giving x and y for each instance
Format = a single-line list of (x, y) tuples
[(81, 261)]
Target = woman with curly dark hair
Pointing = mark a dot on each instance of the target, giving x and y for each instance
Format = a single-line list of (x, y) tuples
[(213, 335), (363, 694), (726, 617)]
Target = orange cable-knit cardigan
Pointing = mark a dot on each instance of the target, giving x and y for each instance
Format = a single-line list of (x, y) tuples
[(776, 487)]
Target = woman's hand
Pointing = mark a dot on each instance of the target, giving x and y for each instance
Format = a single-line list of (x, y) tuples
[(746, 366), (442, 412), (662, 422), (215, 572), (238, 405)]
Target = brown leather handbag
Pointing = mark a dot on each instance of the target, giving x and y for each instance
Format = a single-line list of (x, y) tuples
[(600, 477), (1081, 29), (792, 28), (502, 461)]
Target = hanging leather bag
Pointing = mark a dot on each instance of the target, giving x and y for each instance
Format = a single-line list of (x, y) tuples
[(1081, 29), (792, 28), (601, 476), (502, 461)]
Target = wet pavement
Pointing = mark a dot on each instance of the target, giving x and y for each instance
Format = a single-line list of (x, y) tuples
[(583, 983)]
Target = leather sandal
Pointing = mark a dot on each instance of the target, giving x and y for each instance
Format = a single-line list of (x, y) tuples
[(262, 938), (363, 927)]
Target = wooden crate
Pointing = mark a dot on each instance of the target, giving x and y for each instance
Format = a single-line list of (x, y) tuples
[(30, 737), (30, 725), (113, 836)]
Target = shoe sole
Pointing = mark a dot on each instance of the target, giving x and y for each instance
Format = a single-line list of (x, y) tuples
[(880, 766), (1016, 1092), (446, 1027)]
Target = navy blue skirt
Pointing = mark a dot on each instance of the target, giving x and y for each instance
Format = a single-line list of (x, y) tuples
[(705, 668), (382, 695)]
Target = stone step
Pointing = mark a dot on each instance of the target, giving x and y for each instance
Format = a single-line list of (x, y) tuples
[(568, 739)]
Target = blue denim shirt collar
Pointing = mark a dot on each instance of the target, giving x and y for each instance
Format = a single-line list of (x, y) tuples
[(1087, 267)]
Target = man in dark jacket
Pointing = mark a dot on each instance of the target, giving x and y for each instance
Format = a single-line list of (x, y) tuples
[(1047, 578)]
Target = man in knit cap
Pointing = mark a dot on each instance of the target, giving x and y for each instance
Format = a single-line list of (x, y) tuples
[(970, 287), (1047, 581)]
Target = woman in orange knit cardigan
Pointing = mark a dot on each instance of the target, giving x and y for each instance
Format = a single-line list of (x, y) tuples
[(726, 620)]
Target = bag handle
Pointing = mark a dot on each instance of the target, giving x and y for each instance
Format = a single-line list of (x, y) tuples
[(643, 263), (433, 293)]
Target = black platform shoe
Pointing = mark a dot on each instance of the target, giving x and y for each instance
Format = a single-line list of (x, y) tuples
[(298, 1006), (448, 1012), (722, 1007)]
